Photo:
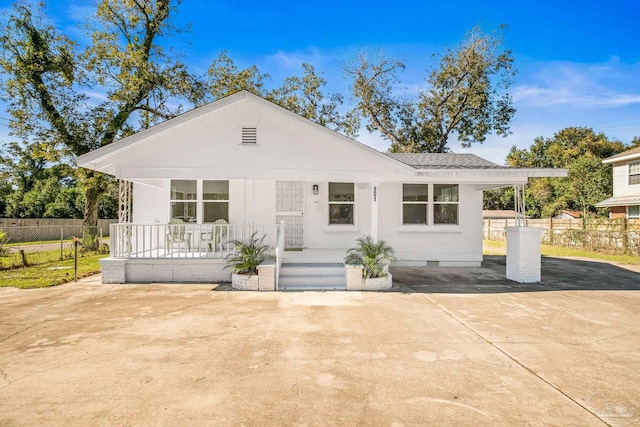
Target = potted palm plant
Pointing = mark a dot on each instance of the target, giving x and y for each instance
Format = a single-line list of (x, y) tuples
[(249, 254), (367, 265)]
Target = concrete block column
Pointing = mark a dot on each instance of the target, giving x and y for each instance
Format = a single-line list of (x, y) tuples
[(523, 254), (267, 276), (113, 270)]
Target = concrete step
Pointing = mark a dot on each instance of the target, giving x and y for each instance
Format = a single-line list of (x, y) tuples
[(311, 276), (311, 269)]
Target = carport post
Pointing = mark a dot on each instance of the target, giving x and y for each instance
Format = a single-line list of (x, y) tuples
[(523, 244)]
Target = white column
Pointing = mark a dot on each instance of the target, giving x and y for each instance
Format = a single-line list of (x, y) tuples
[(375, 196), (523, 254)]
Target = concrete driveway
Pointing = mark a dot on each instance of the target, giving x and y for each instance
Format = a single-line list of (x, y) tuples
[(444, 347)]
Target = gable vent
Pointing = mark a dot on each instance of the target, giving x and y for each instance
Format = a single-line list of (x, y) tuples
[(249, 135)]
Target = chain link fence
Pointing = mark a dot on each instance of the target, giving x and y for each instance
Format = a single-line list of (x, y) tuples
[(50, 249)]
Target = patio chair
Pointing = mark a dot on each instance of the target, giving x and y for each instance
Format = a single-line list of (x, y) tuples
[(177, 234), (220, 232)]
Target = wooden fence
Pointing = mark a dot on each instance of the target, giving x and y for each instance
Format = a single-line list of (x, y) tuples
[(615, 236)]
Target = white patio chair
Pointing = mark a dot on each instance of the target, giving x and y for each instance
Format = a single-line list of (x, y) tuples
[(219, 234), (177, 234)]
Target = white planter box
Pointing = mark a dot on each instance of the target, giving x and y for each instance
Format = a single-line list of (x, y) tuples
[(356, 283), (245, 282)]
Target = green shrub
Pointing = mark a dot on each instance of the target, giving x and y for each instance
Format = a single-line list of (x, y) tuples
[(373, 256), (249, 254)]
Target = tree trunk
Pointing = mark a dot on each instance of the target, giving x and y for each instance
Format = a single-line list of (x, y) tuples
[(95, 186), (92, 198)]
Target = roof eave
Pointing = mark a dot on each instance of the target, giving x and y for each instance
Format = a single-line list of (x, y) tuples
[(628, 157), (498, 172)]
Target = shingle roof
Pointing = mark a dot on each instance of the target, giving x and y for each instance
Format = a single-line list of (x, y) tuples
[(619, 201), (626, 153), (444, 161)]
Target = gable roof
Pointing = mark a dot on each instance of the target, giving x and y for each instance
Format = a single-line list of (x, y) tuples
[(625, 155), (459, 166), (444, 161), (100, 154)]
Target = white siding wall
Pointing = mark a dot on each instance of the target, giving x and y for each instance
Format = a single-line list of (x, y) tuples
[(621, 185), (445, 243), (151, 203), (319, 234)]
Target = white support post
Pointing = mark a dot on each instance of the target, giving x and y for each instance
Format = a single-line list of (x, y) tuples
[(124, 201), (375, 196), (523, 244)]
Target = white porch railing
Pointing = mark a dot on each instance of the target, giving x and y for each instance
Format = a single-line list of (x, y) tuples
[(141, 240), (279, 250)]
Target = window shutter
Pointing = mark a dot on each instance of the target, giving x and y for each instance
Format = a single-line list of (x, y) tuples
[(249, 135)]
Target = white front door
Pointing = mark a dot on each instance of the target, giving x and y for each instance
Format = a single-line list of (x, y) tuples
[(290, 209)]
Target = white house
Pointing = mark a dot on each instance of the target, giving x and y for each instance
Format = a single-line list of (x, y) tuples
[(242, 164), (625, 202)]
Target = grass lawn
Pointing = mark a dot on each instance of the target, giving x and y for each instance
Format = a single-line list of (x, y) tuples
[(51, 273), (559, 251)]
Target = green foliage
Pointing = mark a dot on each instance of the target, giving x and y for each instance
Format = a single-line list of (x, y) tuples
[(303, 95), (45, 76), (249, 254), (3, 237), (578, 149), (373, 256), (465, 96)]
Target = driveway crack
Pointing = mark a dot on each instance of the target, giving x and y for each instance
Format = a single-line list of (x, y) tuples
[(512, 358)]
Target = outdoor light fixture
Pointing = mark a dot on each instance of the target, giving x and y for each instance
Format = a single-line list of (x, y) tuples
[(315, 189)]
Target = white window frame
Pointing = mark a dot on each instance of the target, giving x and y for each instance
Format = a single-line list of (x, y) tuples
[(634, 174), (353, 203), (427, 204), (635, 216), (196, 200), (435, 203), (431, 225), (201, 198)]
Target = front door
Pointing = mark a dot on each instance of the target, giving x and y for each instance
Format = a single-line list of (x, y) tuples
[(290, 209)]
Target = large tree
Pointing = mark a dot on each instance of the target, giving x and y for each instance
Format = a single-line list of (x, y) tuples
[(465, 95), (304, 95), (46, 77), (579, 149)]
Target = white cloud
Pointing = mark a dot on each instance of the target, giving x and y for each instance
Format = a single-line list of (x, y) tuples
[(605, 85), (296, 58)]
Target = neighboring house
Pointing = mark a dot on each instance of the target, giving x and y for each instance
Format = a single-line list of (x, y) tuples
[(625, 202), (242, 164), (567, 214)]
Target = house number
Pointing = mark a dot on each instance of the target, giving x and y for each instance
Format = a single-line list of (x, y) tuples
[(375, 194)]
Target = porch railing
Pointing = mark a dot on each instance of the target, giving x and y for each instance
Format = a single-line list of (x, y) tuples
[(279, 250), (143, 240)]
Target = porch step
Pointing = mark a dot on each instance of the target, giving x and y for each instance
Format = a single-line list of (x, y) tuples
[(307, 277)]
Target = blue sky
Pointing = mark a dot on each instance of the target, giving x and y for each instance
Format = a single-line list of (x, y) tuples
[(578, 61)]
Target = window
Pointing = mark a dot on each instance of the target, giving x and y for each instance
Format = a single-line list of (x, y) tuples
[(184, 200), (414, 203), (249, 135), (445, 204), (633, 212), (341, 203), (215, 200), (634, 173)]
